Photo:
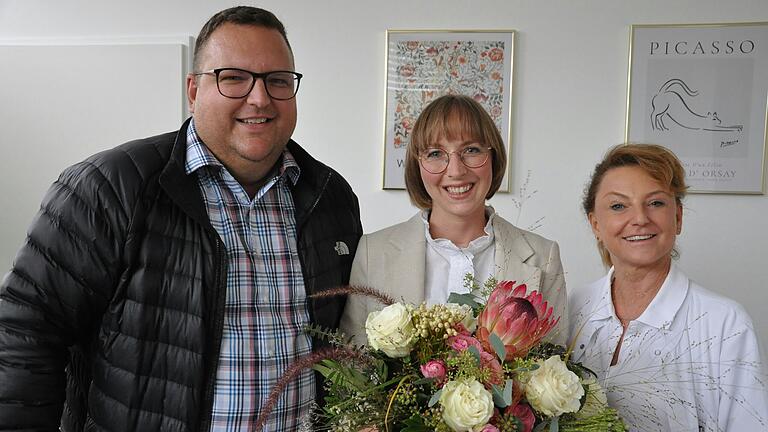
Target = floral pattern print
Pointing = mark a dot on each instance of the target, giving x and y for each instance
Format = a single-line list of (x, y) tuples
[(421, 71)]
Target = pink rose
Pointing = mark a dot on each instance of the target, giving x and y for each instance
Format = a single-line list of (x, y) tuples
[(461, 342), (524, 413), (434, 369), (489, 428)]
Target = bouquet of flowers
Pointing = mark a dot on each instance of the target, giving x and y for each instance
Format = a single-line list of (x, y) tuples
[(477, 363)]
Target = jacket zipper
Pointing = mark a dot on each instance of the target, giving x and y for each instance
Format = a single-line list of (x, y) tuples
[(207, 402)]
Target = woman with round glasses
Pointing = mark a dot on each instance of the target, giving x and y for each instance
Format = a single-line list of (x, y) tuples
[(455, 161)]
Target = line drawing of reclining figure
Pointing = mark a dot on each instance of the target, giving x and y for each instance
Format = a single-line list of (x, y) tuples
[(668, 103)]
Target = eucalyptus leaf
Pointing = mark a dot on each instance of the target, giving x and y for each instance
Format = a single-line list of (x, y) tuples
[(510, 385), (464, 299), (498, 397), (475, 352), (531, 368), (502, 398), (498, 346), (435, 397), (554, 425), (540, 427)]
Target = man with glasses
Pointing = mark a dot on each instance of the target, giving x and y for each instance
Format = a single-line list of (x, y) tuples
[(165, 284)]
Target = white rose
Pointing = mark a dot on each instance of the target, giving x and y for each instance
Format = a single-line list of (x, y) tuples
[(553, 389), (596, 400), (469, 321), (391, 330), (466, 405)]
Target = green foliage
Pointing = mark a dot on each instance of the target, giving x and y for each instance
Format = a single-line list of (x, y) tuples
[(431, 347), (466, 365), (334, 337), (607, 421), (469, 283), (554, 424), (435, 397), (502, 398), (464, 299), (415, 424), (520, 365), (475, 353), (488, 286), (545, 350), (342, 376), (478, 294), (498, 346)]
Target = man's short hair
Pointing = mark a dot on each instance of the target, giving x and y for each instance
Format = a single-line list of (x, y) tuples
[(243, 15)]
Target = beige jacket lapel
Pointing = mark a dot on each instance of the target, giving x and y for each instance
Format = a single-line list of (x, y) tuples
[(512, 251), (406, 249)]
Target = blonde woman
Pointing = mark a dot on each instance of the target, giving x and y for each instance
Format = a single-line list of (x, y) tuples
[(671, 355), (455, 162)]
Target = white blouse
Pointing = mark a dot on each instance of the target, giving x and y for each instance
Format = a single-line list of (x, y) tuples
[(690, 362), (448, 264)]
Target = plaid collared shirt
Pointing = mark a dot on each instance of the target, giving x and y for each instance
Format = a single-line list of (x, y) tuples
[(266, 307)]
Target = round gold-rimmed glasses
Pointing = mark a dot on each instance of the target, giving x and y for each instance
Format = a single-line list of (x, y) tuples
[(435, 160)]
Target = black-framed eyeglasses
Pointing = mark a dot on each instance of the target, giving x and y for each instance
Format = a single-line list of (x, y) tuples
[(435, 160), (237, 83)]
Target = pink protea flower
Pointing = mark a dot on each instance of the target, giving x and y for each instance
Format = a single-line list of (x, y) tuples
[(519, 320)]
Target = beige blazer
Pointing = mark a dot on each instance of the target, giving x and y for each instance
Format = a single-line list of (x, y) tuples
[(393, 261)]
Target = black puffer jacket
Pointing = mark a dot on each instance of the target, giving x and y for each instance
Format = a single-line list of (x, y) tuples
[(121, 281)]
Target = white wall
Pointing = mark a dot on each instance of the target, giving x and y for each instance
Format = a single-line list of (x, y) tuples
[(569, 106)]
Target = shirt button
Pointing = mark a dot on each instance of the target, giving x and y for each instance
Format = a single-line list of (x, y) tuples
[(657, 352)]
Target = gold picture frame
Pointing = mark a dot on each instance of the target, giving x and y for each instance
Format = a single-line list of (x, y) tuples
[(422, 65), (700, 90)]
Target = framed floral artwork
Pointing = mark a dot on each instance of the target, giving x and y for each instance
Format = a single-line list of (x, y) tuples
[(701, 91), (425, 64)]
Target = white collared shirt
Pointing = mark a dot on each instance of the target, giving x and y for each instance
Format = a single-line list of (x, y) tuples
[(448, 264), (690, 362)]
